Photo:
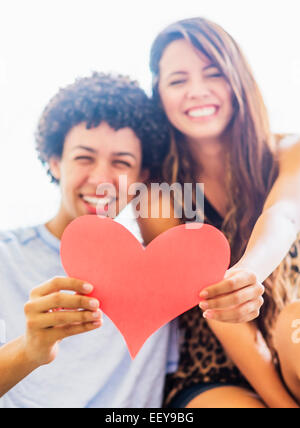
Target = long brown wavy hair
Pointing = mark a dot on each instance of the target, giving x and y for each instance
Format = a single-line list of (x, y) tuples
[(252, 165)]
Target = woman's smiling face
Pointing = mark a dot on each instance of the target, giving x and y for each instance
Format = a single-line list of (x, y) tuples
[(195, 95)]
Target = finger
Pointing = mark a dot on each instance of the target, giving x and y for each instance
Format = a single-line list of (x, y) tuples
[(236, 298), (250, 317), (59, 284), (61, 300), (63, 318), (233, 271), (240, 314), (236, 282), (60, 333)]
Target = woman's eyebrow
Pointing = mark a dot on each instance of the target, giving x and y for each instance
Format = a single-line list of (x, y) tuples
[(209, 66), (174, 73)]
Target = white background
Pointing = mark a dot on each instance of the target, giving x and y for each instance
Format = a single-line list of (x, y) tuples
[(45, 44)]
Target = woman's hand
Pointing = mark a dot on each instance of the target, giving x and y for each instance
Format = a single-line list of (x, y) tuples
[(236, 299), (47, 323)]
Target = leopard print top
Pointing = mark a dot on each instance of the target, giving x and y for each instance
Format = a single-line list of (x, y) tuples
[(202, 357)]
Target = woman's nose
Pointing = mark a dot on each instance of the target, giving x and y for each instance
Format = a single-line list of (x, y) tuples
[(197, 88)]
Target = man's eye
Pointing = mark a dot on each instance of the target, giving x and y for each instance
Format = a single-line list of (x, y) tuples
[(177, 82), (84, 158), (122, 163)]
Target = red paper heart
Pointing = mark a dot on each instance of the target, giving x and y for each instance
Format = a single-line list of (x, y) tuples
[(139, 289)]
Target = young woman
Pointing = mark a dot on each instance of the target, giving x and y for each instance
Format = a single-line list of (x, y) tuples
[(220, 136)]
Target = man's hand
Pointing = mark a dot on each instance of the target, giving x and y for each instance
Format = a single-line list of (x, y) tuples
[(236, 299), (47, 323)]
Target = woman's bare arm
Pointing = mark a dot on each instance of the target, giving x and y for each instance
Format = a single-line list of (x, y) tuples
[(277, 228), (246, 347)]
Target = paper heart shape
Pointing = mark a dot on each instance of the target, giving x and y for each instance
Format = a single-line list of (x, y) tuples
[(140, 289)]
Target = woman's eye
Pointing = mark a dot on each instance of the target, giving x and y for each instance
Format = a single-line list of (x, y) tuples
[(214, 75)]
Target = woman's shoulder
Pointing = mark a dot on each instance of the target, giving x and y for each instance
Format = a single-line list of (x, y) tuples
[(288, 152), (285, 142)]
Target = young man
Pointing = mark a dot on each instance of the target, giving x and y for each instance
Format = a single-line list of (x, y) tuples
[(92, 132)]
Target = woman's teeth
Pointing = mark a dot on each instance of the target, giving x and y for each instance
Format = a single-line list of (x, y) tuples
[(202, 112)]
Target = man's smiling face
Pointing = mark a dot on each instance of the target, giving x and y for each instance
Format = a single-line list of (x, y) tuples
[(92, 157)]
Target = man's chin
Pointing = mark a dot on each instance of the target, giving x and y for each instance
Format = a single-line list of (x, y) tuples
[(109, 211), (99, 213)]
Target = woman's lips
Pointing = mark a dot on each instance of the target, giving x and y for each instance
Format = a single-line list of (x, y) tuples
[(202, 113)]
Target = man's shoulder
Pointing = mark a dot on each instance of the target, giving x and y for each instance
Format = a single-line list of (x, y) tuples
[(16, 247), (19, 236)]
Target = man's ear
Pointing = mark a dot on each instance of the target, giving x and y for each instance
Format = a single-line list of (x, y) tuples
[(54, 166), (144, 176)]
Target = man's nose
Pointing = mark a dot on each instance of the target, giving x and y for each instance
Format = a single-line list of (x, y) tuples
[(101, 173)]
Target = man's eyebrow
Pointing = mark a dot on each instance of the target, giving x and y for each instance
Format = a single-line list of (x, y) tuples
[(176, 72), (89, 149)]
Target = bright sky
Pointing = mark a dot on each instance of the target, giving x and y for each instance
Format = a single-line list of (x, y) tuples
[(46, 44)]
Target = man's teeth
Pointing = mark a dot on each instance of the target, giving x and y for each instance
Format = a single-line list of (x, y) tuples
[(96, 201), (202, 112)]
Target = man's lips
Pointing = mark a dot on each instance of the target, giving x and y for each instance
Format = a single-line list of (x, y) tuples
[(96, 204), (96, 200)]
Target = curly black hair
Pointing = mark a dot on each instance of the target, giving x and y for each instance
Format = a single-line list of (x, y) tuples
[(116, 100)]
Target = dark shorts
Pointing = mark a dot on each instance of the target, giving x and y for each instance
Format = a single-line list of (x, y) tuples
[(183, 398)]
